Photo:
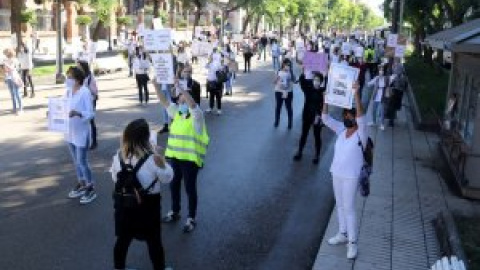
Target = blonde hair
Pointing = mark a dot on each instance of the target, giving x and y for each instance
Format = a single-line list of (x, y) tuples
[(9, 53)]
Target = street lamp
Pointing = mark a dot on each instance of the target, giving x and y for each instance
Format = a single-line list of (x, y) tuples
[(281, 10), (223, 4)]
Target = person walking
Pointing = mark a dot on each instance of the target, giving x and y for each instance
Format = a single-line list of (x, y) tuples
[(13, 80), (247, 55), (283, 93), (263, 42), (186, 149), (214, 85), (79, 134), (276, 52), (345, 169), (151, 170), (380, 97), (91, 83), (231, 63), (312, 113), (141, 65), (399, 86), (131, 50), (25, 57)]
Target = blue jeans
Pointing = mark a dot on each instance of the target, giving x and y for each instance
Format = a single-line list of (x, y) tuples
[(229, 83), (378, 113), (79, 156), (15, 94), (276, 63)]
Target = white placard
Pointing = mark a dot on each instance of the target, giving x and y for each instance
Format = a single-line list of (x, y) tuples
[(206, 48), (346, 49), (340, 83), (392, 40), (157, 40), (163, 66), (58, 114), (400, 51), (157, 23), (140, 29), (238, 38), (359, 51)]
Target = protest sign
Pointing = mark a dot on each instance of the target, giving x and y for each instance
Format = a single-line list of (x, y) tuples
[(157, 23), (359, 51), (392, 40), (157, 40), (346, 49), (315, 62), (400, 51), (238, 38), (163, 66), (58, 114), (340, 83)]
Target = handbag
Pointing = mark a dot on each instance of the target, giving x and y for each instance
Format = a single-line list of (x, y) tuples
[(367, 167)]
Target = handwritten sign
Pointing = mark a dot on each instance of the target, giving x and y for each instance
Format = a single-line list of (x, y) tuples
[(157, 40), (163, 66), (400, 51), (346, 48), (58, 114), (392, 40), (315, 62), (359, 51), (340, 83)]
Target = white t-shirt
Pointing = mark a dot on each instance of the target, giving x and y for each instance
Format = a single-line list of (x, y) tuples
[(79, 127), (284, 81), (381, 87), (348, 157), (212, 71), (148, 172)]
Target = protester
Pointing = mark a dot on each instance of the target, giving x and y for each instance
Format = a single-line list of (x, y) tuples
[(214, 86), (144, 222), (399, 86), (380, 97), (312, 113), (263, 42), (362, 74), (186, 150), (13, 80), (79, 134), (25, 57), (131, 50), (229, 59), (345, 169), (276, 52), (247, 55), (371, 63), (283, 93), (91, 83), (189, 84), (141, 64)]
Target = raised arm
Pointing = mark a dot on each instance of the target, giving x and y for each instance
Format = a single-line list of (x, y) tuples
[(358, 100), (163, 100)]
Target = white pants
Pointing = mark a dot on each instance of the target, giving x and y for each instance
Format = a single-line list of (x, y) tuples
[(345, 190)]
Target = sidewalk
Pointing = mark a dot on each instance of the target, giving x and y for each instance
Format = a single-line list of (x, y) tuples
[(395, 221)]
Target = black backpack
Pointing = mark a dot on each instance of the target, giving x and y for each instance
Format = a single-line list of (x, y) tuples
[(128, 193), (222, 76)]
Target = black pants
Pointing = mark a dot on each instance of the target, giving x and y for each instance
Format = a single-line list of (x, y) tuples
[(187, 171), (151, 234), (194, 59), (288, 103), (93, 126), (216, 93), (247, 60), (142, 84), (373, 68), (307, 122), (27, 76), (130, 65)]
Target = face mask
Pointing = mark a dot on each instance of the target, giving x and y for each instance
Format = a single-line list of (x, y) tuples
[(183, 108), (380, 73), (348, 123), (69, 83)]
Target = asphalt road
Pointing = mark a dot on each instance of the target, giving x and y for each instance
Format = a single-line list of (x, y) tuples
[(257, 208)]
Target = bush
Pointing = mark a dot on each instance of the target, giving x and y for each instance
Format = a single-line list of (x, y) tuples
[(124, 21), (83, 20), (28, 16)]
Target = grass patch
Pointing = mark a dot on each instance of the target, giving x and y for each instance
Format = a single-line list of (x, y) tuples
[(47, 70), (429, 84), (468, 228)]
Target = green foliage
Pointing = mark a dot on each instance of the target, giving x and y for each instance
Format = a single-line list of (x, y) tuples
[(103, 9), (28, 16), (83, 20), (148, 10), (124, 20)]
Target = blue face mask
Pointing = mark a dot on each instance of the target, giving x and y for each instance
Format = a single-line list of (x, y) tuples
[(69, 83), (183, 108)]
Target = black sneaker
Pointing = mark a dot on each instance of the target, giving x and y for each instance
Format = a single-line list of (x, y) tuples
[(315, 160), (189, 226), (275, 125), (164, 129), (171, 217), (297, 157)]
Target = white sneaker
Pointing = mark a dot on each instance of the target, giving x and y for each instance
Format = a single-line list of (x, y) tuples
[(208, 110), (382, 127), (338, 239), (219, 112), (352, 250)]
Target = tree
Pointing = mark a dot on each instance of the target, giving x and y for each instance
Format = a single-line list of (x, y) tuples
[(104, 10)]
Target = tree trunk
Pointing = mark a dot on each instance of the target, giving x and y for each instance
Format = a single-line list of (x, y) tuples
[(246, 22), (96, 32), (257, 23), (418, 46), (156, 6), (196, 20), (16, 9)]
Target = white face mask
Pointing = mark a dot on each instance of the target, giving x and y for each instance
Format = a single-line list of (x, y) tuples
[(69, 83), (316, 84)]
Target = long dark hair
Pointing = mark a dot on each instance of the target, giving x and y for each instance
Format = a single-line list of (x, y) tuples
[(85, 67), (136, 139)]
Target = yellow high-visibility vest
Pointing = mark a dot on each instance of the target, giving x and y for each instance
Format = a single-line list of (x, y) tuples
[(184, 143)]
